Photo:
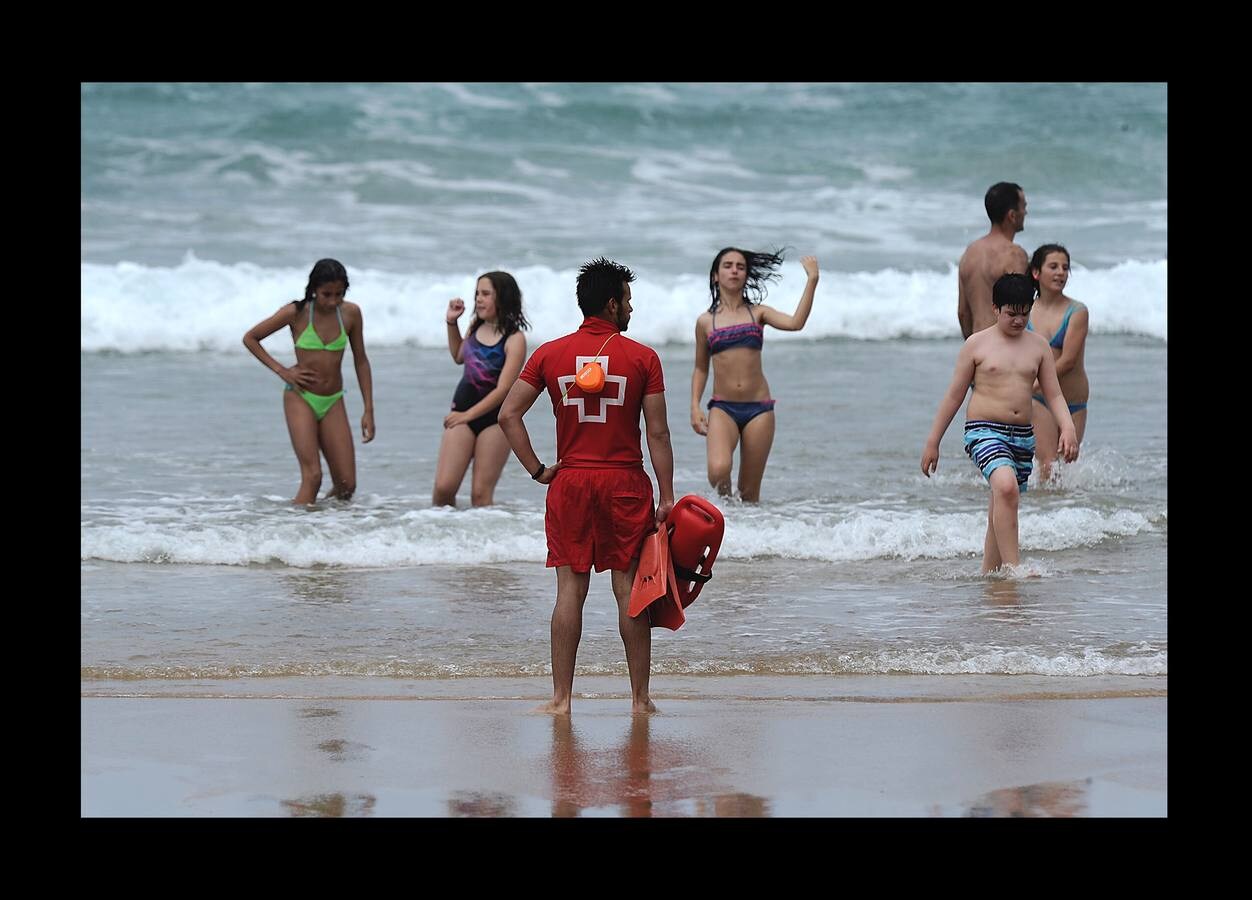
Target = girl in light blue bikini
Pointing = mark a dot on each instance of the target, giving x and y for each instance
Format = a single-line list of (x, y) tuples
[(1063, 322), (731, 334), (313, 399)]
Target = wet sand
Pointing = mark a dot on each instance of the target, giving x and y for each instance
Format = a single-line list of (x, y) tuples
[(721, 746)]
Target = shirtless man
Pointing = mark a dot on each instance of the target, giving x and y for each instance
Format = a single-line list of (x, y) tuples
[(992, 255), (1001, 363)]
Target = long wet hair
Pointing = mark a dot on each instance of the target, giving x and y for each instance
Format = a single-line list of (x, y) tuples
[(324, 271), (761, 269), (509, 317), (1041, 256)]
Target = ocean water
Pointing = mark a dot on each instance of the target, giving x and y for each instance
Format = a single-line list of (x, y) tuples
[(204, 206)]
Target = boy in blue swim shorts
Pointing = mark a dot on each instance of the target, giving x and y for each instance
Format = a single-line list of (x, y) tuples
[(1001, 364)]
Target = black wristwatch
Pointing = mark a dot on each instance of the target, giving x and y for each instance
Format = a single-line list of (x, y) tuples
[(538, 473)]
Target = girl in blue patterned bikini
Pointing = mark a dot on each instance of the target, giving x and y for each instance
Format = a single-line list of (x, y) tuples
[(1063, 323), (313, 399), (492, 352), (731, 334)]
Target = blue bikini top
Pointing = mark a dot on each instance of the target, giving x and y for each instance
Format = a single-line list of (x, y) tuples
[(1058, 339), (745, 334)]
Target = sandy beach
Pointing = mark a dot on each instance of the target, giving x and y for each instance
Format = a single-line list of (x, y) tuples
[(979, 746)]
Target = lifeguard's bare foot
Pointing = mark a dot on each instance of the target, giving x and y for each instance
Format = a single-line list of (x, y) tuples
[(647, 706), (553, 708)]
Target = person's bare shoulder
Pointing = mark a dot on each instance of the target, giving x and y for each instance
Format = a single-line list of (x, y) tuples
[(977, 339), (1035, 343), (970, 271), (986, 255), (974, 350), (973, 253), (1017, 259)]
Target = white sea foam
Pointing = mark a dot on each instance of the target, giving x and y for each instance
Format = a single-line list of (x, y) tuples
[(871, 533), (205, 305), (978, 660), (360, 536), (982, 661)]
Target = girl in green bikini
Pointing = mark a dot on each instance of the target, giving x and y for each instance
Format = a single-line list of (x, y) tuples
[(313, 400)]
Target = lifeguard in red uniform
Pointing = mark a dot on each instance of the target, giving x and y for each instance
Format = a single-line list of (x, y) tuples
[(599, 505)]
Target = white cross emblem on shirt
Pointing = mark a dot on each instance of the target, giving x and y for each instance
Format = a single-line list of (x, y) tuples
[(565, 381)]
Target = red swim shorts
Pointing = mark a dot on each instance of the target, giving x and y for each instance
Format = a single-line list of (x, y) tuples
[(598, 517)]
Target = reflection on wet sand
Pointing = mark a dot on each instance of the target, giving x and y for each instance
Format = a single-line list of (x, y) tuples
[(569, 788), (734, 806), (473, 804), (341, 750), (331, 806), (317, 712), (643, 777), (319, 720), (1060, 799), (636, 767)]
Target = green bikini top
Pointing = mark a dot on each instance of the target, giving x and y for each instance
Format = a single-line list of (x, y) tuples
[(309, 340)]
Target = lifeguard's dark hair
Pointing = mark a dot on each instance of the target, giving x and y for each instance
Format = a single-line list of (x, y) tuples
[(324, 271), (509, 316), (600, 281), (1013, 289), (761, 269), (1000, 199)]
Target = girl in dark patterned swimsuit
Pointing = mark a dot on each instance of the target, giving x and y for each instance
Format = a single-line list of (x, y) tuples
[(492, 353)]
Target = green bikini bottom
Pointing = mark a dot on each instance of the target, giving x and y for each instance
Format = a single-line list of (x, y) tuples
[(319, 403)]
